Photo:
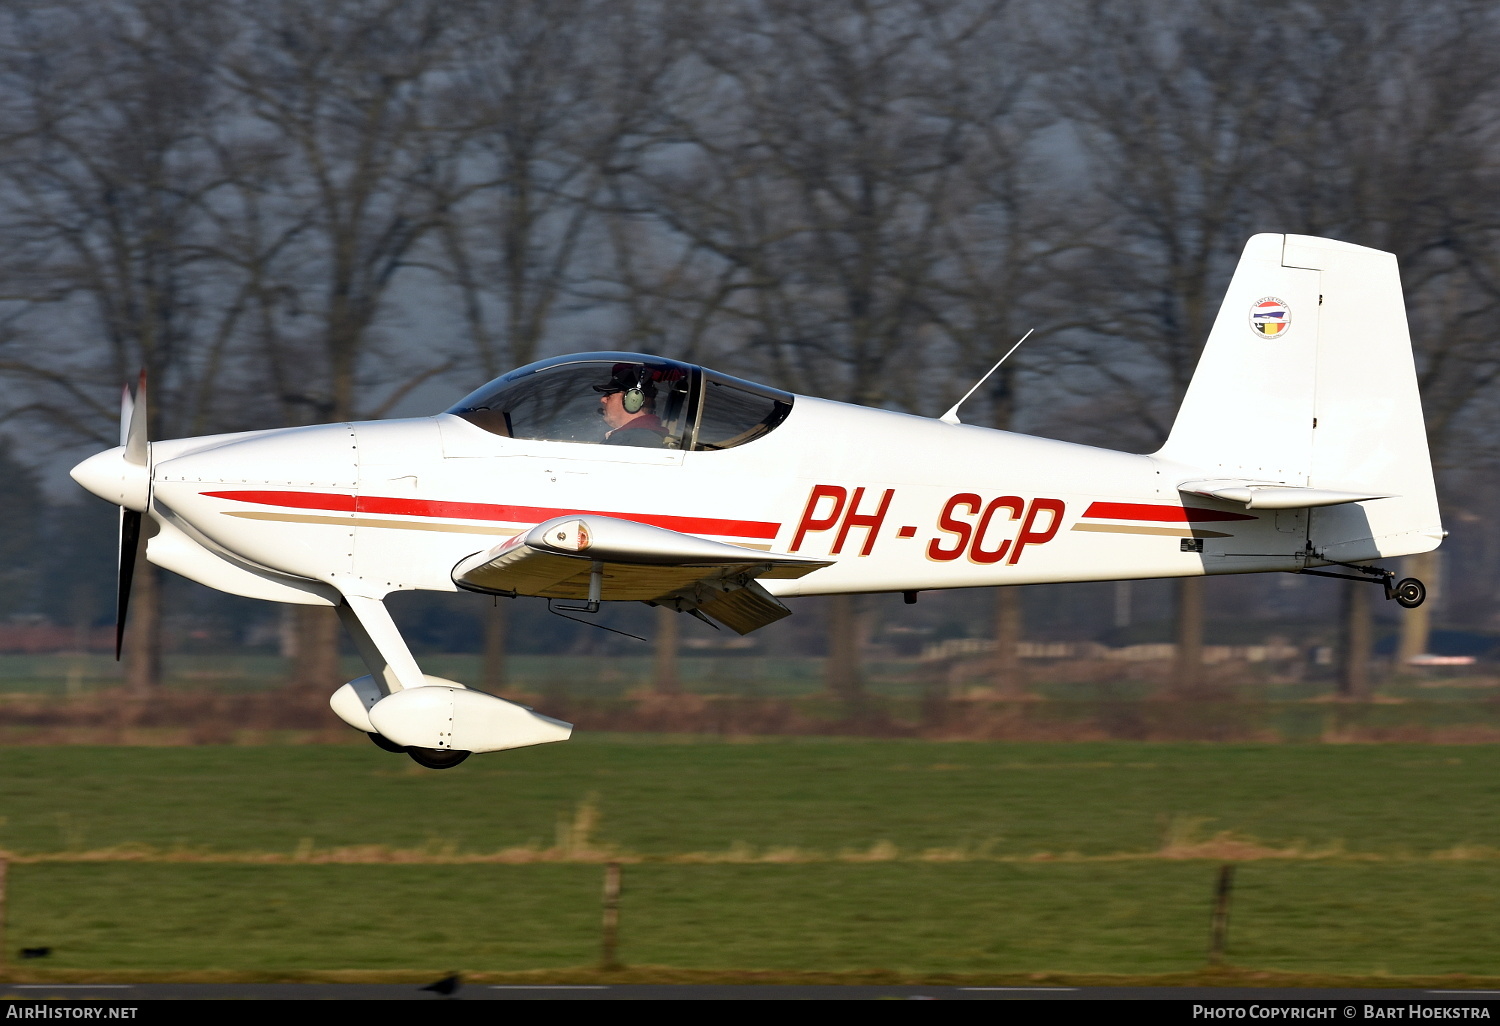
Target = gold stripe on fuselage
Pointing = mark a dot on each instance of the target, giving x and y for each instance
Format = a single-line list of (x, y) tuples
[(410, 525), (394, 525)]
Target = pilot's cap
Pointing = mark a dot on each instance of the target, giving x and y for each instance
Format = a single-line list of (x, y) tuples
[(625, 376)]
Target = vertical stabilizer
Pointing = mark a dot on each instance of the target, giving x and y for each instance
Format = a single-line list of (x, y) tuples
[(1307, 380)]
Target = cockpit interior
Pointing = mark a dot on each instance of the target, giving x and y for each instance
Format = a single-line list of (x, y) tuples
[(626, 399)]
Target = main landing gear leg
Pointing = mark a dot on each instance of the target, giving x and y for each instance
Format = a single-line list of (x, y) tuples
[(1408, 592)]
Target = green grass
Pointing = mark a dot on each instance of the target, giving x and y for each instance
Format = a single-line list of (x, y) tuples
[(1380, 903), (972, 917), (115, 916), (1337, 918), (666, 795)]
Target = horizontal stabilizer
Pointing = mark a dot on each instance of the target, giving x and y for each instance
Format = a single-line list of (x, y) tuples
[(1270, 495), (636, 562)]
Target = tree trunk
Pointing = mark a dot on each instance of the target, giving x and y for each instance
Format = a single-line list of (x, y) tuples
[(496, 633), (1354, 641), (1187, 662), (1416, 624), (315, 649), (143, 641), (1122, 604), (842, 672), (666, 679), (1008, 626)]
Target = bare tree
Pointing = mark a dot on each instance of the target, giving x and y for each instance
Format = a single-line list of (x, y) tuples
[(1388, 138), (1377, 128), (666, 672), (547, 99), (22, 509), (1000, 252), (107, 175), (350, 175), (550, 99), (1175, 122), (803, 191)]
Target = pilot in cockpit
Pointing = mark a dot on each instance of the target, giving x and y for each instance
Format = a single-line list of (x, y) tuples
[(627, 402)]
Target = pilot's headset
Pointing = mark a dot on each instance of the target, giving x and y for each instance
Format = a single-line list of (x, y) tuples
[(634, 398)]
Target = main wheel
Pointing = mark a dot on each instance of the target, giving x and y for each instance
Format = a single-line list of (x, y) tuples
[(436, 758), (381, 741), (1410, 593)]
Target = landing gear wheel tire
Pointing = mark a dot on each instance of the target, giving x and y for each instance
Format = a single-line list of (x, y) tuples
[(1410, 593), (381, 741), (436, 758)]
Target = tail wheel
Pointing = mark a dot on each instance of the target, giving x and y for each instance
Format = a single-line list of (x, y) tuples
[(436, 758), (1410, 593)]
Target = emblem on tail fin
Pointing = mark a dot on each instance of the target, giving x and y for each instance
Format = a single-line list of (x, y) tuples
[(1270, 317)]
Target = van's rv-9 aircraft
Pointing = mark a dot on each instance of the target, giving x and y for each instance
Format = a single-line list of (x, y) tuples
[(620, 477)]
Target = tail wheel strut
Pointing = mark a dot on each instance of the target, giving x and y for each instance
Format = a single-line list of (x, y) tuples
[(1408, 592)]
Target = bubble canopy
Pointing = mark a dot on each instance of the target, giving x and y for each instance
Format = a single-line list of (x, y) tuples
[(631, 399)]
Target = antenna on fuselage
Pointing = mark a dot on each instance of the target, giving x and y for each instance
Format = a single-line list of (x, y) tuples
[(951, 417)]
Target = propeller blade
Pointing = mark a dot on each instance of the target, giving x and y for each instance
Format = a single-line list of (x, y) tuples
[(134, 429), (130, 537), (127, 407)]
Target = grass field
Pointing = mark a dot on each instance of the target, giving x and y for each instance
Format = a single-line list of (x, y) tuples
[(969, 918), (777, 854)]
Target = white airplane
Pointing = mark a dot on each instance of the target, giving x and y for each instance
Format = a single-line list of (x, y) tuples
[(621, 477)]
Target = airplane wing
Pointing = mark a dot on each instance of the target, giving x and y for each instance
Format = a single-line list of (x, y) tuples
[(1271, 495), (595, 558)]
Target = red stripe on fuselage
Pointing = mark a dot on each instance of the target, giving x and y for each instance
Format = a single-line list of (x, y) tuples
[(491, 511), (292, 500), (1159, 514)]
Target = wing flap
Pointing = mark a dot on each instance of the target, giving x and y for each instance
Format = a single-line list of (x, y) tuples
[(745, 609)]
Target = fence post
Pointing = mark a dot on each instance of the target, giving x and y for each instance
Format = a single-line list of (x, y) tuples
[(4, 879), (1219, 934), (608, 958)]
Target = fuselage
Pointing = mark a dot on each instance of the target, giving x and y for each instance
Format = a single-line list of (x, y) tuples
[(899, 503)]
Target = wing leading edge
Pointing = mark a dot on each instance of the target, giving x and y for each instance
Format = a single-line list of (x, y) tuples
[(596, 558)]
